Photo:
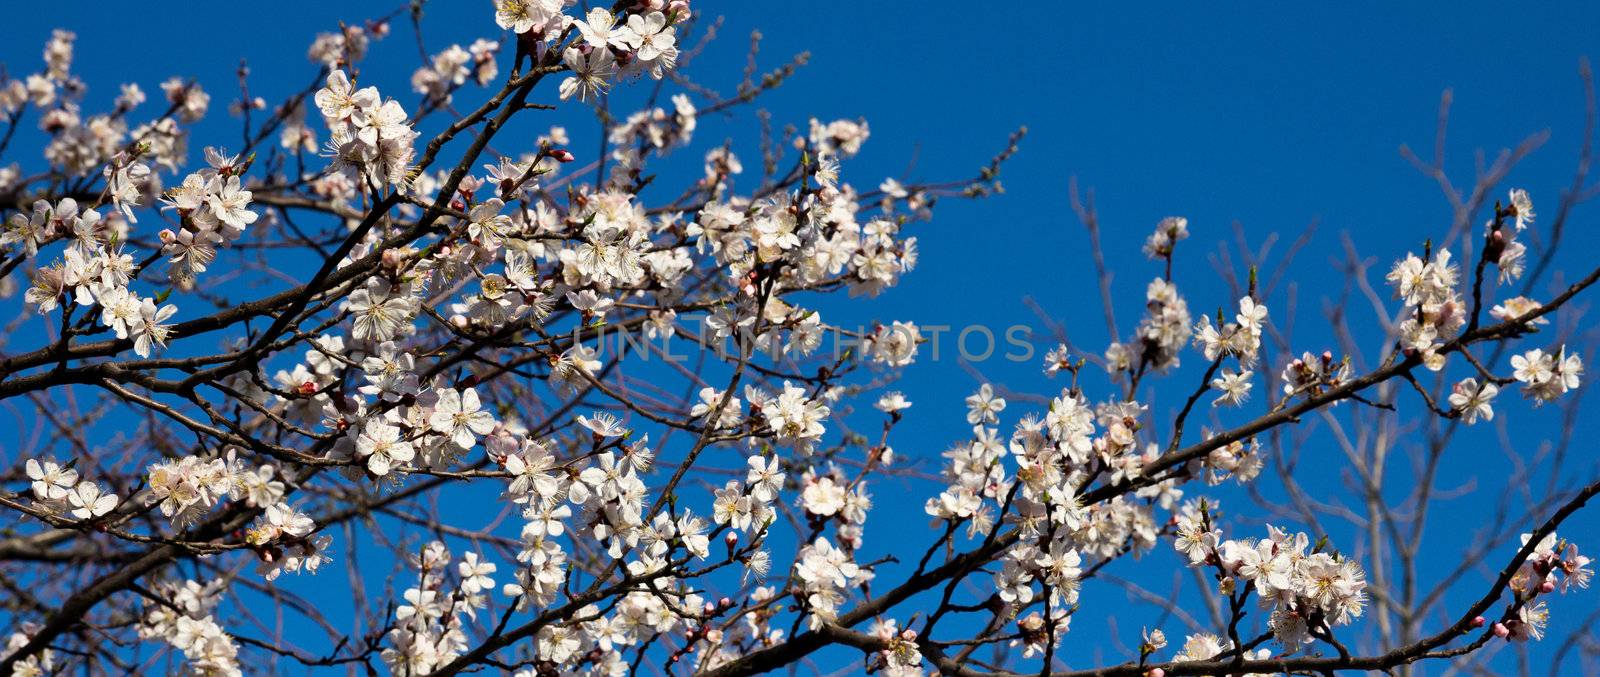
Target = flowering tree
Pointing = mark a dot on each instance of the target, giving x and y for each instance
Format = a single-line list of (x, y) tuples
[(587, 417)]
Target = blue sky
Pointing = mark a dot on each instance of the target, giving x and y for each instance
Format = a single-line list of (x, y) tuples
[(1248, 113)]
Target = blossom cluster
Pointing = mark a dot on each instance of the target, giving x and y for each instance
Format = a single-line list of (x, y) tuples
[(1434, 310), (1164, 330), (1546, 376), (1240, 339), (1553, 565), (429, 630), (94, 270), (58, 489), (370, 139), (452, 67), (182, 615), (1307, 594), (214, 210)]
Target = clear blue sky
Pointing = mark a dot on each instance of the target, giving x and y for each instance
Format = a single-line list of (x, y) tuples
[(1248, 113)]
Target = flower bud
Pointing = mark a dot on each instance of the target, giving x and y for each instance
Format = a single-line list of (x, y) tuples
[(1478, 622), (1501, 631), (562, 155), (1494, 245)]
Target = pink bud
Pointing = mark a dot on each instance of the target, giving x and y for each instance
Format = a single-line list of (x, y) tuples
[(1547, 586), (1494, 245), (562, 155), (732, 538), (1478, 622), (1156, 672), (1501, 631)]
